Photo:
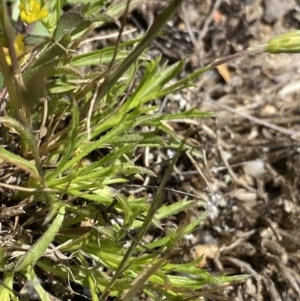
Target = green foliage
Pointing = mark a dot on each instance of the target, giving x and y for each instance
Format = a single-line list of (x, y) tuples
[(80, 118)]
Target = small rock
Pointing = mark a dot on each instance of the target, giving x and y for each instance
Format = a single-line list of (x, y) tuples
[(254, 168), (276, 9)]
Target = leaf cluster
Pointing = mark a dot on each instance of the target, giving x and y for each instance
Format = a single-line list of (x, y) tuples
[(80, 118)]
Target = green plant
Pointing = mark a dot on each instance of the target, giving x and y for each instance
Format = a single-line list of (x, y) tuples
[(61, 185)]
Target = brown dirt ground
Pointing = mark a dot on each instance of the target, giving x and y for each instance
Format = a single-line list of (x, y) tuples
[(248, 173)]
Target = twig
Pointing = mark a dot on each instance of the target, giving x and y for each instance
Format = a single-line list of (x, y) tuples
[(242, 265), (204, 29), (200, 172), (108, 36), (230, 170), (293, 134)]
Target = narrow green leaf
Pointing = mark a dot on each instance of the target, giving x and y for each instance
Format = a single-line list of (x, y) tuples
[(19, 161), (6, 292), (108, 159), (143, 138), (184, 82), (102, 195), (27, 137), (67, 70), (128, 214), (175, 208), (153, 80), (118, 7), (97, 57), (103, 141), (56, 89), (38, 249), (70, 146), (193, 113), (1, 81)]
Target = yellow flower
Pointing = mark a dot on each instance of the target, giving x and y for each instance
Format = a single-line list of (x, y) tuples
[(19, 48), (31, 11)]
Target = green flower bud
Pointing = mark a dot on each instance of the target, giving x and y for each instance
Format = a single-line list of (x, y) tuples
[(285, 43), (50, 22)]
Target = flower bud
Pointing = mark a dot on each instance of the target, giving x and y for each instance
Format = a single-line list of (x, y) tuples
[(285, 43)]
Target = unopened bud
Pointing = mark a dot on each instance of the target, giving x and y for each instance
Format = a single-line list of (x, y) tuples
[(285, 43)]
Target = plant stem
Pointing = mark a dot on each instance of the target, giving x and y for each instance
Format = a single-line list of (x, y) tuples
[(248, 51)]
